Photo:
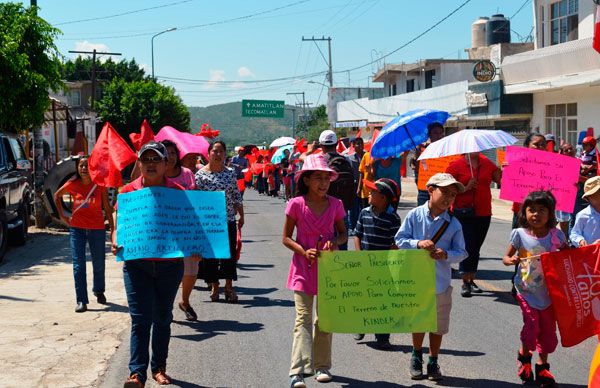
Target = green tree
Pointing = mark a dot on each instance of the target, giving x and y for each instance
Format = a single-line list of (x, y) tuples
[(80, 69), (317, 122), (126, 104), (29, 67)]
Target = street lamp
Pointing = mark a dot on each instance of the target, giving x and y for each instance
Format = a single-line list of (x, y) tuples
[(152, 45), (318, 83)]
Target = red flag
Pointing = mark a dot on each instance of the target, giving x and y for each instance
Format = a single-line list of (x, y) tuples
[(300, 145), (341, 147), (596, 42), (573, 280), (145, 135), (110, 155)]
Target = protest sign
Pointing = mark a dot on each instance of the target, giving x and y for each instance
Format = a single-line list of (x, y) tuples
[(530, 170), (377, 292), (430, 167), (573, 280), (157, 222)]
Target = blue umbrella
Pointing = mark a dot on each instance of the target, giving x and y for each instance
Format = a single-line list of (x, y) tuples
[(405, 132), (278, 155)]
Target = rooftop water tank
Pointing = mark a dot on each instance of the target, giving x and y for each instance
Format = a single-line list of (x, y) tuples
[(497, 30), (478, 28)]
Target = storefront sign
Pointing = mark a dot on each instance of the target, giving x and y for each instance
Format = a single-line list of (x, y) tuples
[(476, 100), (484, 71)]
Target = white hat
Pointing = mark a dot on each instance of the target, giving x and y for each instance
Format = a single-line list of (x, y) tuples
[(328, 138), (443, 179)]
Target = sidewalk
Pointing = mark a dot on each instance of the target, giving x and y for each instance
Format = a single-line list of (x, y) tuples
[(501, 209), (43, 342)]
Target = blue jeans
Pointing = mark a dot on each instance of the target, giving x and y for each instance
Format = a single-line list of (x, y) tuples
[(95, 238), (354, 212), (151, 287)]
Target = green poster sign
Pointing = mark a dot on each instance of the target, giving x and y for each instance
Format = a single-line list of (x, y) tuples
[(262, 108), (377, 292)]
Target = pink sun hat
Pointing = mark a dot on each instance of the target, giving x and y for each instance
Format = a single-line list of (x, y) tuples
[(316, 162)]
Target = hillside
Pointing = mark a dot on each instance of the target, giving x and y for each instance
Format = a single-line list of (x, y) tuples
[(237, 130)]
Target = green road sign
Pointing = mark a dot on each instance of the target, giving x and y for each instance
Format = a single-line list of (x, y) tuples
[(262, 108)]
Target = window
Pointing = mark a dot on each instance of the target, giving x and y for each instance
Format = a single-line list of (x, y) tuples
[(74, 97), (561, 121), (17, 149), (544, 26), (429, 79), (394, 89), (564, 21), (410, 85)]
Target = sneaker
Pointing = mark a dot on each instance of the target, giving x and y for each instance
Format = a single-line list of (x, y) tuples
[(416, 368), (323, 376), (133, 382), (524, 364), (100, 298), (465, 291), (543, 377), (297, 382), (81, 307), (475, 288), (358, 337), (433, 371)]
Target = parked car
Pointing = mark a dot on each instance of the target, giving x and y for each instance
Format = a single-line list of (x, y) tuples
[(16, 193)]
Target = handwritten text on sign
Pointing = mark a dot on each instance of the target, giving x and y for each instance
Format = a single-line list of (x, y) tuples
[(377, 292), (530, 170), (157, 222), (430, 167)]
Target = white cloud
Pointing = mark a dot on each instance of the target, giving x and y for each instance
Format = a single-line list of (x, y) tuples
[(245, 72), (214, 76), (88, 46)]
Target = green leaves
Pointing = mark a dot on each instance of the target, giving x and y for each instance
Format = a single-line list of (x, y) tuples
[(29, 67)]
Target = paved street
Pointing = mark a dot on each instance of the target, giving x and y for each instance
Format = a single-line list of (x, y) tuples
[(248, 344)]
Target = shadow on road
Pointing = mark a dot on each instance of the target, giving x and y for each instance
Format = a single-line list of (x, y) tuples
[(185, 384), (259, 301), (500, 296), (254, 267), (209, 329), (348, 382), (407, 349), (452, 381), (109, 306), (255, 291)]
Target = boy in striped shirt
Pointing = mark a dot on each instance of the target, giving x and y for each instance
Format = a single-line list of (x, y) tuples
[(376, 227)]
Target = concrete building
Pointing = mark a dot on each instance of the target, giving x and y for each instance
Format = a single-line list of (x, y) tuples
[(562, 72), (335, 95)]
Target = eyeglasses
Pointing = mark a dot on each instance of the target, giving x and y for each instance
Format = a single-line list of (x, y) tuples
[(151, 159)]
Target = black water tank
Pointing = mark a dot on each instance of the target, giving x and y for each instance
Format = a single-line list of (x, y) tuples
[(498, 30)]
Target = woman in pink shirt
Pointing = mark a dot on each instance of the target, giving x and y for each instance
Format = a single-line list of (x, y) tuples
[(319, 220)]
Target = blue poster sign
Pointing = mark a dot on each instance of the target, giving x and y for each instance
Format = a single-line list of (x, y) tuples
[(158, 222)]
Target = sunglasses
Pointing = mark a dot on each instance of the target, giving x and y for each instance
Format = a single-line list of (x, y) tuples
[(151, 159)]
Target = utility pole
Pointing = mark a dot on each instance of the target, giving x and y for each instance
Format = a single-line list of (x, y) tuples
[(94, 53), (303, 102), (328, 39), (293, 121)]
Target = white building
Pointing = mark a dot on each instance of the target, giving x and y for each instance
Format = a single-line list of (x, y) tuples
[(562, 72)]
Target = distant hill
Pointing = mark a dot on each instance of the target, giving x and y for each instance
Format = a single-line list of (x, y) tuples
[(238, 130)]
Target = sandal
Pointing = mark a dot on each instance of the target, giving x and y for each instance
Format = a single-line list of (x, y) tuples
[(214, 296), (161, 377), (190, 314), (231, 296)]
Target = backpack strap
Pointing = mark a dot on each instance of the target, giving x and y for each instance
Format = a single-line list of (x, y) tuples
[(440, 232)]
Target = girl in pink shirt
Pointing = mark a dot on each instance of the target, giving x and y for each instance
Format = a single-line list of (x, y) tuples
[(319, 223)]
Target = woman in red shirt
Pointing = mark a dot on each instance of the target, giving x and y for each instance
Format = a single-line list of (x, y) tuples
[(473, 209), (86, 224)]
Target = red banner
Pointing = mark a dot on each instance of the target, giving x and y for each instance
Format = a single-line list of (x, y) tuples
[(573, 279)]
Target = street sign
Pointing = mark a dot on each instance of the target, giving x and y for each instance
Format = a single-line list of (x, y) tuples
[(262, 108)]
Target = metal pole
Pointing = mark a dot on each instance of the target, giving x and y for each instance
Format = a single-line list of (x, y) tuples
[(294, 123), (330, 66), (93, 99), (152, 53), (304, 107), (55, 131)]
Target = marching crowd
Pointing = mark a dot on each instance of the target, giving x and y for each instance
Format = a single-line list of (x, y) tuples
[(331, 198)]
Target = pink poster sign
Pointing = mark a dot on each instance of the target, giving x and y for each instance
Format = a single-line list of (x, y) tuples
[(529, 170)]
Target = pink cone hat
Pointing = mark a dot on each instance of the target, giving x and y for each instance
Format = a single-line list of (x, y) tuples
[(316, 162)]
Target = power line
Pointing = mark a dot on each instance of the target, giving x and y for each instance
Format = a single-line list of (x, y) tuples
[(191, 81), (123, 13)]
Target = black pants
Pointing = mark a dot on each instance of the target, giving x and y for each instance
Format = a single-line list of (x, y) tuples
[(215, 269), (474, 231)]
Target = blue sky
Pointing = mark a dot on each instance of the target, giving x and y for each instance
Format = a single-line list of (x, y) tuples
[(269, 44)]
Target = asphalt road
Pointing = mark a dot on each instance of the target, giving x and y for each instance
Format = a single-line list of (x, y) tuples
[(249, 344)]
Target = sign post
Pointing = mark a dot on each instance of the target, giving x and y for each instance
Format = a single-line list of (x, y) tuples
[(263, 108)]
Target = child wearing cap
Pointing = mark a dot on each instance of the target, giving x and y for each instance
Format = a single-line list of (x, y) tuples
[(432, 228), (319, 222), (587, 223), (376, 227)]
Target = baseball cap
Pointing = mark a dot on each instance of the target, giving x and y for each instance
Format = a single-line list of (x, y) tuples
[(158, 148), (550, 137), (589, 140), (387, 187), (328, 137), (443, 179), (591, 186)]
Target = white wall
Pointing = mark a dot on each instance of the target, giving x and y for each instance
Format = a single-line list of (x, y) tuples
[(450, 98), (586, 97), (454, 72)]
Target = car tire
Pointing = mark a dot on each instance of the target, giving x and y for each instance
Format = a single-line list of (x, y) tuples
[(18, 236), (64, 170), (3, 237)]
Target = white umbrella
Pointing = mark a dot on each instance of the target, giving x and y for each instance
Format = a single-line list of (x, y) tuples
[(281, 141), (466, 141)]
